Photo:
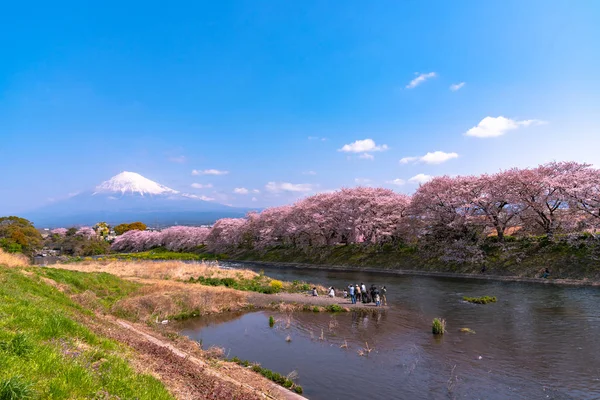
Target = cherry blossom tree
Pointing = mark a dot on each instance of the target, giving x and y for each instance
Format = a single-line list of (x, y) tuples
[(541, 192), (59, 231)]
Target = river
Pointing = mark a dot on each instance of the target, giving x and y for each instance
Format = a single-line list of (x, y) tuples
[(536, 342)]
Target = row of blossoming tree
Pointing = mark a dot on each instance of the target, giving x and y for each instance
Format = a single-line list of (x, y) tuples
[(552, 198)]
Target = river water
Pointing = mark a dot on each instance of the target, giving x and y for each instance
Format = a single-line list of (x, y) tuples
[(536, 342)]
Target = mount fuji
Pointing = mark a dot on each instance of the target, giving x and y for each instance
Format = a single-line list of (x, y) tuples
[(129, 197)]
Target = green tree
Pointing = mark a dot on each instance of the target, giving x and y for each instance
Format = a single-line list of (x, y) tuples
[(19, 235), (122, 228), (102, 229)]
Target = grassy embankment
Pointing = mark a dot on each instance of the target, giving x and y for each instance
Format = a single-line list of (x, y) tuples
[(46, 351), (50, 349), (177, 290), (566, 257), (157, 254)]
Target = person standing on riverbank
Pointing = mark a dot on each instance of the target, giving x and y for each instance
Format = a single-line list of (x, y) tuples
[(383, 298), (314, 292), (352, 294), (358, 293), (363, 291)]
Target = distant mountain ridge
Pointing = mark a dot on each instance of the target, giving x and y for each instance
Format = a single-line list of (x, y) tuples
[(128, 197)]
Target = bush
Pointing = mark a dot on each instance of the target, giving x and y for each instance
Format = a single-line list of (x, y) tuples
[(276, 285), (271, 321), (439, 326), (334, 308)]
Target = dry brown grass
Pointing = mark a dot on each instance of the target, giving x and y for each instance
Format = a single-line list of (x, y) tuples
[(13, 260), (176, 270), (158, 300)]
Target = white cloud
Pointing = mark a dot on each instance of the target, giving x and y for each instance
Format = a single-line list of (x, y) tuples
[(361, 181), (420, 178), (309, 173), (457, 86), (397, 182), (322, 139), (498, 126), (420, 79), (363, 146), (178, 159), (254, 199), (278, 187), (202, 185), (241, 190), (436, 157), (255, 191), (209, 172), (366, 156)]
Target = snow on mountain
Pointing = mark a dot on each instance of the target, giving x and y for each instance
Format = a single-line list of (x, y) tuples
[(134, 183), (128, 197)]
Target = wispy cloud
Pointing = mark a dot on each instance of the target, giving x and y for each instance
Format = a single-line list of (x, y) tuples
[(178, 159), (202, 185), (436, 157), (321, 139), (241, 191), (209, 172), (309, 173), (278, 187), (420, 79), (366, 156), (420, 178), (457, 86), (397, 182), (498, 126), (194, 196)]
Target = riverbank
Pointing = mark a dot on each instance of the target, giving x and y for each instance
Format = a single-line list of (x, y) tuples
[(390, 271), (55, 323)]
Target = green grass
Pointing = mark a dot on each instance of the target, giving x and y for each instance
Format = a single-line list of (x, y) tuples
[(259, 283), (480, 300), (164, 254), (267, 373), (46, 353), (108, 288)]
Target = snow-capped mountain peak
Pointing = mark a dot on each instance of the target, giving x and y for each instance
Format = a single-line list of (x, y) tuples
[(134, 183)]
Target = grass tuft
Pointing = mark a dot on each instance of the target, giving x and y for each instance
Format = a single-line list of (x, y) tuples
[(15, 388), (438, 326)]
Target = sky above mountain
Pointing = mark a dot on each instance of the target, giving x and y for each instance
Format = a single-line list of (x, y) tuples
[(258, 103)]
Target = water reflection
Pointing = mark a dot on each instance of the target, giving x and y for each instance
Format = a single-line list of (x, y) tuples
[(536, 342)]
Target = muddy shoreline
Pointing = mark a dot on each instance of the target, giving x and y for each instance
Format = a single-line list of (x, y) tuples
[(489, 277)]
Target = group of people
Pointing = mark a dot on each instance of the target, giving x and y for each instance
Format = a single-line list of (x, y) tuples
[(370, 295), (360, 293)]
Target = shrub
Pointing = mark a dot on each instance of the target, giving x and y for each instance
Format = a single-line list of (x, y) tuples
[(271, 321), (439, 326), (334, 308), (480, 300), (276, 285)]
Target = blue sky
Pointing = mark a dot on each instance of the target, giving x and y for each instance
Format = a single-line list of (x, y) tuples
[(273, 92)]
